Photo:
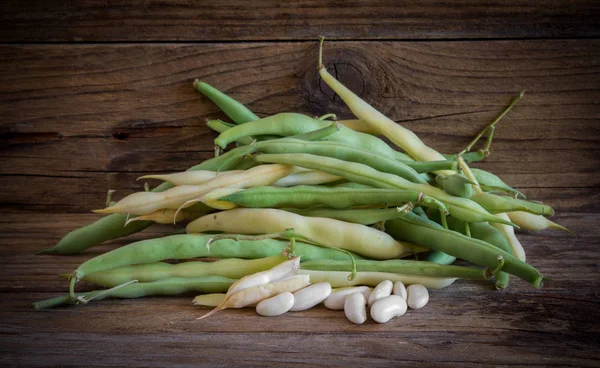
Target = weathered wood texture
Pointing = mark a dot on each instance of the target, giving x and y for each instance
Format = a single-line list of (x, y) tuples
[(76, 120), (189, 20), (79, 120)]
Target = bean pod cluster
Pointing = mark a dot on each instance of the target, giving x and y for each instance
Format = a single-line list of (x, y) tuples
[(309, 210)]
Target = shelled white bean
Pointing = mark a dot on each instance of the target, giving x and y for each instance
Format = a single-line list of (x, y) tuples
[(382, 290), (275, 306), (354, 308), (400, 289), (418, 296), (387, 308), (336, 300), (310, 296)]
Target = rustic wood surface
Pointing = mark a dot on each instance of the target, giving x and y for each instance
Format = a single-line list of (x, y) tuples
[(79, 118), (189, 20)]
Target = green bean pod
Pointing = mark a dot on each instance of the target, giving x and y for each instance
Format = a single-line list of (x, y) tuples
[(303, 196), (220, 126), (405, 267), (489, 234), (430, 166), (170, 286), (500, 204), (113, 226), (188, 246), (291, 124), (456, 185), (344, 152), (491, 182), (237, 112), (462, 208), (233, 268), (413, 229)]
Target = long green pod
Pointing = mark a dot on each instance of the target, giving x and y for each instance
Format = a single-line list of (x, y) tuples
[(186, 246), (478, 252), (489, 234), (490, 181), (220, 126), (233, 268), (344, 152), (405, 267), (501, 204), (113, 226), (462, 208), (292, 124), (303, 196), (170, 286), (430, 166), (236, 111)]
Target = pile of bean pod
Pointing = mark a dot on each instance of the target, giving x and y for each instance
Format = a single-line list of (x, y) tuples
[(302, 205)]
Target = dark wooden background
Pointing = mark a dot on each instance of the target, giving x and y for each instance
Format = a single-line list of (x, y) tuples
[(93, 94)]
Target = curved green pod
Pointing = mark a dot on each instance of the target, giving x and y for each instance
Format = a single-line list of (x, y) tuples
[(344, 152), (236, 111), (500, 204), (413, 229), (491, 182), (291, 124)]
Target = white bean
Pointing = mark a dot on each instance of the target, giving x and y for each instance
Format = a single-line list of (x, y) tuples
[(382, 290), (275, 306), (385, 309), (418, 296), (354, 308), (336, 300), (400, 289), (310, 296)]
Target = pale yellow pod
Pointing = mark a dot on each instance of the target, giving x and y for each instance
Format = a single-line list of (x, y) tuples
[(211, 198), (167, 216), (278, 272), (358, 238), (359, 126), (531, 222), (402, 137), (142, 203), (509, 234), (309, 177), (209, 300), (340, 278), (193, 177)]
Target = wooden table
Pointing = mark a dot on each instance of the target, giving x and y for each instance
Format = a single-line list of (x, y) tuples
[(95, 95)]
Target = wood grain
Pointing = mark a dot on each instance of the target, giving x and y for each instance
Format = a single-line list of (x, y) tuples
[(187, 20), (78, 120)]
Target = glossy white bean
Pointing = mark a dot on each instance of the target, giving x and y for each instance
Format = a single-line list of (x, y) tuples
[(275, 306), (418, 296), (400, 289), (336, 300), (382, 290), (354, 308), (387, 308), (310, 296)]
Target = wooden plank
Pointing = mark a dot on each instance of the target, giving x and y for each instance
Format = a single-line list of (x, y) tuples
[(78, 120), (30, 21)]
